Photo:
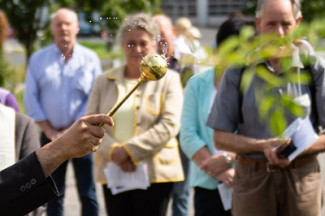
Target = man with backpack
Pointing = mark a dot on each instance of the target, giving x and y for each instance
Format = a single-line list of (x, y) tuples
[(267, 182)]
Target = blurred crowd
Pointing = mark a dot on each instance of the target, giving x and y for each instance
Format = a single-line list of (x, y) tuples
[(190, 129)]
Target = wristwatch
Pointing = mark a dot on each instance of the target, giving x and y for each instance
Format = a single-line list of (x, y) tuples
[(227, 157)]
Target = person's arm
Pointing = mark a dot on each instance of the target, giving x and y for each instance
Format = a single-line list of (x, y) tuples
[(23, 187), (225, 117), (192, 142), (241, 144), (317, 147), (191, 122), (26, 185), (237, 143), (213, 165)]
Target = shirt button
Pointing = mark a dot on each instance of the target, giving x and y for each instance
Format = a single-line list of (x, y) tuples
[(137, 107), (33, 181), (22, 188), (28, 185)]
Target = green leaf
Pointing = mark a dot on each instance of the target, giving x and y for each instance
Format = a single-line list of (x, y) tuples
[(278, 122), (228, 46), (269, 77)]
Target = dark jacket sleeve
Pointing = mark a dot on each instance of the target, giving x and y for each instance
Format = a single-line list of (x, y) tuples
[(23, 187)]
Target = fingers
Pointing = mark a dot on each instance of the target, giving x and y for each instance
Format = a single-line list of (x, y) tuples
[(228, 181), (98, 119), (93, 121), (94, 148), (272, 156), (272, 150), (227, 177), (94, 144), (214, 165), (95, 140), (127, 166)]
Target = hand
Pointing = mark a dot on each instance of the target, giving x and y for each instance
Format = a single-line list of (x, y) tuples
[(119, 155), (83, 136), (227, 177), (128, 165), (215, 165), (272, 153)]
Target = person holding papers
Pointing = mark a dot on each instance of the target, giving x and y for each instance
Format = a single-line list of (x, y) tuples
[(268, 181), (139, 159), (209, 167)]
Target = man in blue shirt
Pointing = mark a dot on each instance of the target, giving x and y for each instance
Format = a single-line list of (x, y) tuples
[(58, 82)]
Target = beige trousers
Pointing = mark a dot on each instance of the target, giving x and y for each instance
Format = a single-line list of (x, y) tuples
[(293, 192)]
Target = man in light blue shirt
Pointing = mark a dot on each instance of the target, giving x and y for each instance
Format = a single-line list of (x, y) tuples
[(58, 82)]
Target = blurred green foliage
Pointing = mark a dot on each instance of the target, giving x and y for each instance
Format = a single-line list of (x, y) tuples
[(246, 49), (26, 18), (30, 18), (5, 70)]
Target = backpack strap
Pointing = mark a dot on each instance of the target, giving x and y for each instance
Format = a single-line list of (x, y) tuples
[(240, 98)]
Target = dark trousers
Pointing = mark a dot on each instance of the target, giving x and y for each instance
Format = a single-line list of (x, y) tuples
[(208, 203), (83, 169), (181, 190), (150, 202)]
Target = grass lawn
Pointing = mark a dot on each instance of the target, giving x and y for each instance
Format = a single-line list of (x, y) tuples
[(100, 48)]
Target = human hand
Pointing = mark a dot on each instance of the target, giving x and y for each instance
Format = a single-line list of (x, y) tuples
[(272, 149), (227, 177), (83, 136), (128, 165), (215, 165), (119, 155)]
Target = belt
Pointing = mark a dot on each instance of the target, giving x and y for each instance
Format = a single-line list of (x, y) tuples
[(265, 165)]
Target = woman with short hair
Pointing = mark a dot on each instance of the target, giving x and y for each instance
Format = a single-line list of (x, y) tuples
[(145, 125)]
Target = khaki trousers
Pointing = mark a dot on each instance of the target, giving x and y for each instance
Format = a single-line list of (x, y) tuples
[(292, 192)]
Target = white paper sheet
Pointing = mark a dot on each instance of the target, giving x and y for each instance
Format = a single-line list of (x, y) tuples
[(226, 195), (120, 181), (302, 135)]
